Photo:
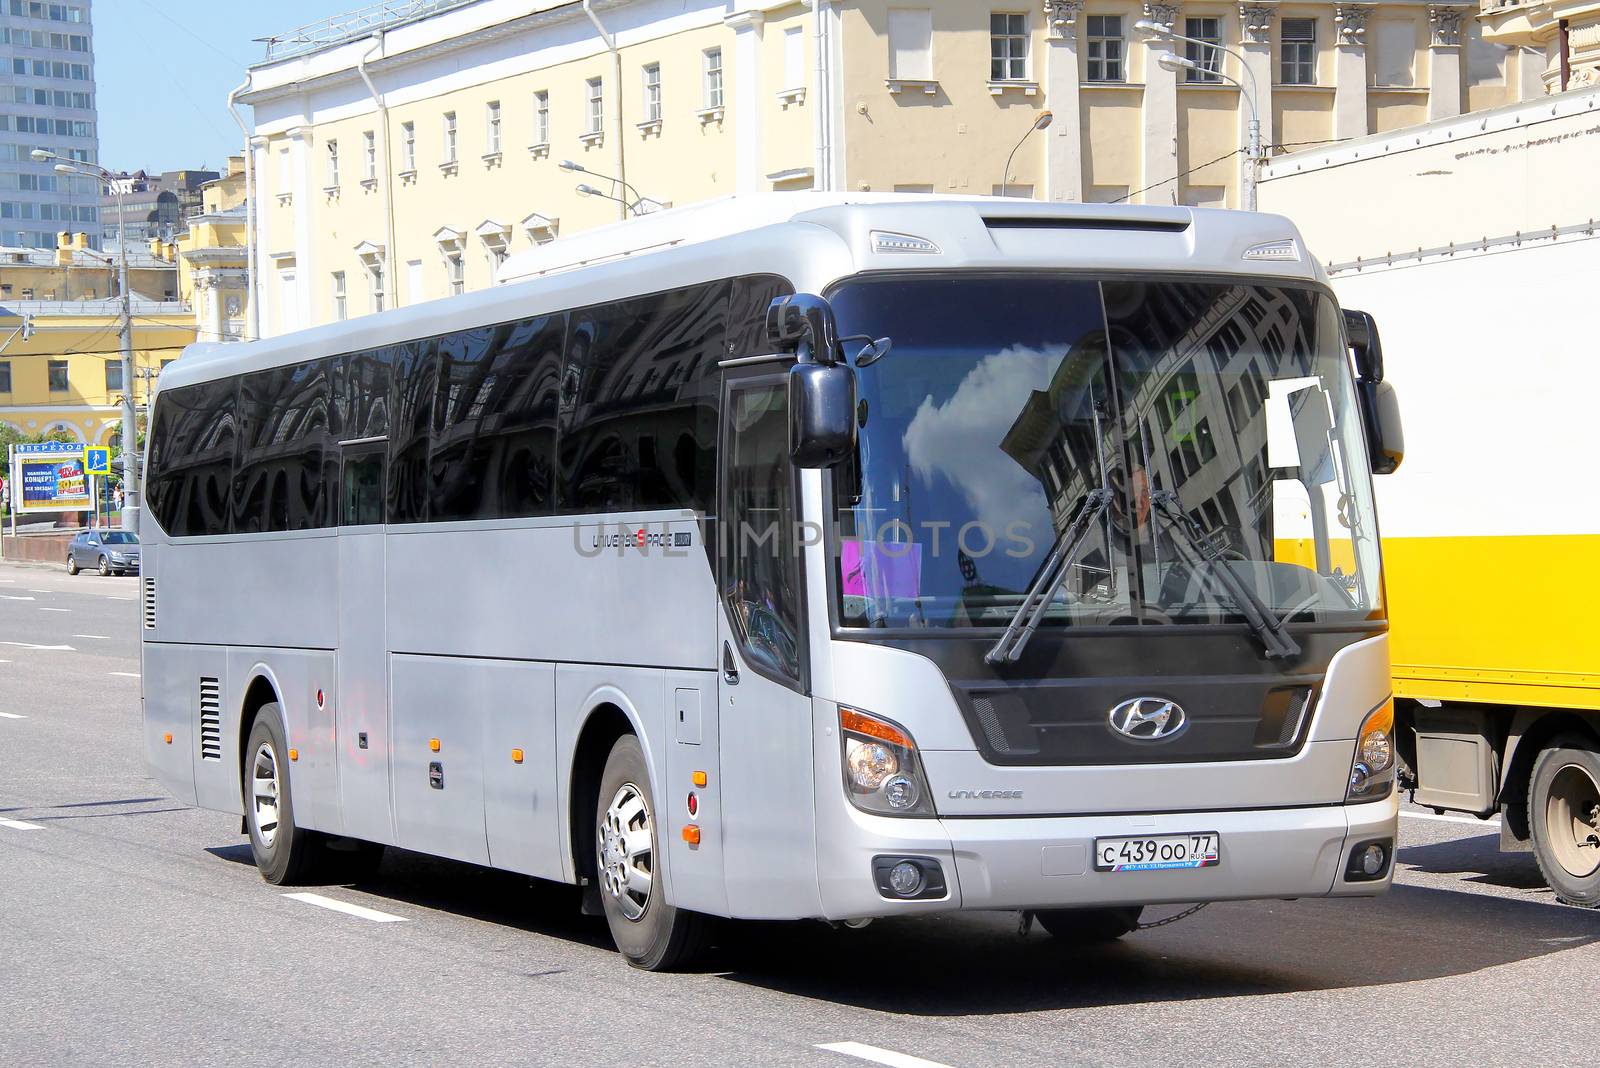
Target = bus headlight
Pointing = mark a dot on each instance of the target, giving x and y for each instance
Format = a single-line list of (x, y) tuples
[(882, 773), (1372, 772)]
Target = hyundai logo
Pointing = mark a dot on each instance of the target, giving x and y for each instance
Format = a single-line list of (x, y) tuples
[(1149, 719)]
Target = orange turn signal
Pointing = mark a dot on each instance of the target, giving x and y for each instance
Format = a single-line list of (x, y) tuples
[(433, 745), (861, 723), (167, 737), (516, 756), (294, 754), (699, 778), (691, 834)]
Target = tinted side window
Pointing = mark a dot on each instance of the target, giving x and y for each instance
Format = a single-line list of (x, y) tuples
[(280, 481), (639, 404), (415, 384), (747, 320), (495, 422), (360, 394), (191, 459)]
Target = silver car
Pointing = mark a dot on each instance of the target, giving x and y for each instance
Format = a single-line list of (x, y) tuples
[(110, 552)]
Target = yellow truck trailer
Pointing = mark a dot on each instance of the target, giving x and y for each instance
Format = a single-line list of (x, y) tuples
[(1474, 242)]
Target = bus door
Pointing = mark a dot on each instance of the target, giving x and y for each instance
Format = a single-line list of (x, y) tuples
[(764, 711), (362, 708)]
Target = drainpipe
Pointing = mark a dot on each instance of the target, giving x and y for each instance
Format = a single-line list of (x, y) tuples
[(391, 276), (616, 59), (823, 108), (253, 323), (1565, 32)]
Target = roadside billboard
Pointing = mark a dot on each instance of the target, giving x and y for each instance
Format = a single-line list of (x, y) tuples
[(50, 477)]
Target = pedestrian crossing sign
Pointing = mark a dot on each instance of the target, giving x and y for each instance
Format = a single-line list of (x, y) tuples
[(97, 460)]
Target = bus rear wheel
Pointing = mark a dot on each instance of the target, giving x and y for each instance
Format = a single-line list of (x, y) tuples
[(285, 853), (1086, 926), (1564, 818), (649, 932)]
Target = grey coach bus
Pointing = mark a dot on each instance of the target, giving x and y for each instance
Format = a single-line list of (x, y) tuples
[(801, 556)]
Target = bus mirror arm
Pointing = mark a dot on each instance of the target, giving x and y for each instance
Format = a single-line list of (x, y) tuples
[(804, 323), (1380, 407), (822, 385)]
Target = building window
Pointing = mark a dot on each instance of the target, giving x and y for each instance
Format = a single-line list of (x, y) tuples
[(910, 44), (5, 376), (375, 280), (794, 57), (652, 92), (1008, 47), (493, 119), (456, 267), (1203, 56), (597, 107), (285, 172), (541, 118), (58, 376), (1298, 56), (340, 308), (333, 164), (1105, 48), (408, 145), (712, 58), (114, 376), (369, 155), (449, 137), (1394, 42)]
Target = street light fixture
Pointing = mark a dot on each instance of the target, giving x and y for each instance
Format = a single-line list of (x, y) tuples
[(130, 426), (578, 168), (1041, 123), (1254, 152)]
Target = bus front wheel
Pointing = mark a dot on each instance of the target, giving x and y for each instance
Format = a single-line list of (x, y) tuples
[(285, 853), (1564, 818), (649, 932)]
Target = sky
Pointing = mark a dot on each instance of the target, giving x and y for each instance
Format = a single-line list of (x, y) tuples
[(164, 68)]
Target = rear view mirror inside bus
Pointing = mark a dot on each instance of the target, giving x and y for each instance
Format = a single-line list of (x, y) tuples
[(822, 414)]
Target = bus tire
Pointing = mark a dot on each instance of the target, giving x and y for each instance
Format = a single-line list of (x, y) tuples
[(649, 932), (1564, 818), (1086, 926), (286, 854)]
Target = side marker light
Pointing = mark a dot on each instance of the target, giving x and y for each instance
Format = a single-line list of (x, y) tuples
[(516, 756), (699, 778), (691, 834), (294, 754), (433, 745)]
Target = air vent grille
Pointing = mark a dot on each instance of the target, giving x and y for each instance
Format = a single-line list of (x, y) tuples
[(1297, 713), (148, 586), (210, 719)]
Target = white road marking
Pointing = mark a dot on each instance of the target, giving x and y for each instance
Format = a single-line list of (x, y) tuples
[(344, 906), (48, 648), (42, 608), (879, 1056), (9, 715), (103, 637), (41, 591), (125, 674), (18, 825), (8, 597), (1434, 817)]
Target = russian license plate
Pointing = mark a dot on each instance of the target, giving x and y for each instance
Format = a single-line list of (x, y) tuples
[(1157, 852)]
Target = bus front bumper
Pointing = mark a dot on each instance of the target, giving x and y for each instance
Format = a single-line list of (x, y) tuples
[(1047, 862)]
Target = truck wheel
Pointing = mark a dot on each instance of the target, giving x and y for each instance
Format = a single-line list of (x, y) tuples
[(286, 854), (648, 931), (1564, 818), (1084, 926)]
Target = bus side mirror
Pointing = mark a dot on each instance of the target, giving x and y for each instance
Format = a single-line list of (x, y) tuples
[(1365, 345), (1385, 438), (822, 414)]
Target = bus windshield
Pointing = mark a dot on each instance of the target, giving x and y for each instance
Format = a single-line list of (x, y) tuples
[(1154, 430)]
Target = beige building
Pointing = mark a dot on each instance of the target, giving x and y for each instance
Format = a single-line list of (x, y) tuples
[(1566, 31), (75, 271), (401, 162), (211, 254)]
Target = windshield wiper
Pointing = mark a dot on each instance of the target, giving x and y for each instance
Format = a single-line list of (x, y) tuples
[(1268, 628), (1091, 506)]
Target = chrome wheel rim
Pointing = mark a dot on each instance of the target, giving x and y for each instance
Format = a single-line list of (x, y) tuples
[(264, 793), (626, 843), (1572, 816)]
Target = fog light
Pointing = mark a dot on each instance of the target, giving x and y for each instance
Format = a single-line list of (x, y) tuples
[(1372, 859), (900, 792), (905, 879)]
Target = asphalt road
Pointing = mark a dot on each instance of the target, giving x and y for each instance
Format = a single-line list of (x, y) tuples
[(134, 930)]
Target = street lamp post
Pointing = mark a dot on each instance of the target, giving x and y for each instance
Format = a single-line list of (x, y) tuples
[(1254, 150), (1040, 123), (633, 207), (130, 425)]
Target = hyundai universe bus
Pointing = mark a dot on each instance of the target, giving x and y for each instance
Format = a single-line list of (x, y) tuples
[(807, 556)]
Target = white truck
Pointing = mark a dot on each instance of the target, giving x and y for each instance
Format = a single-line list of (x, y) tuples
[(1472, 242)]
